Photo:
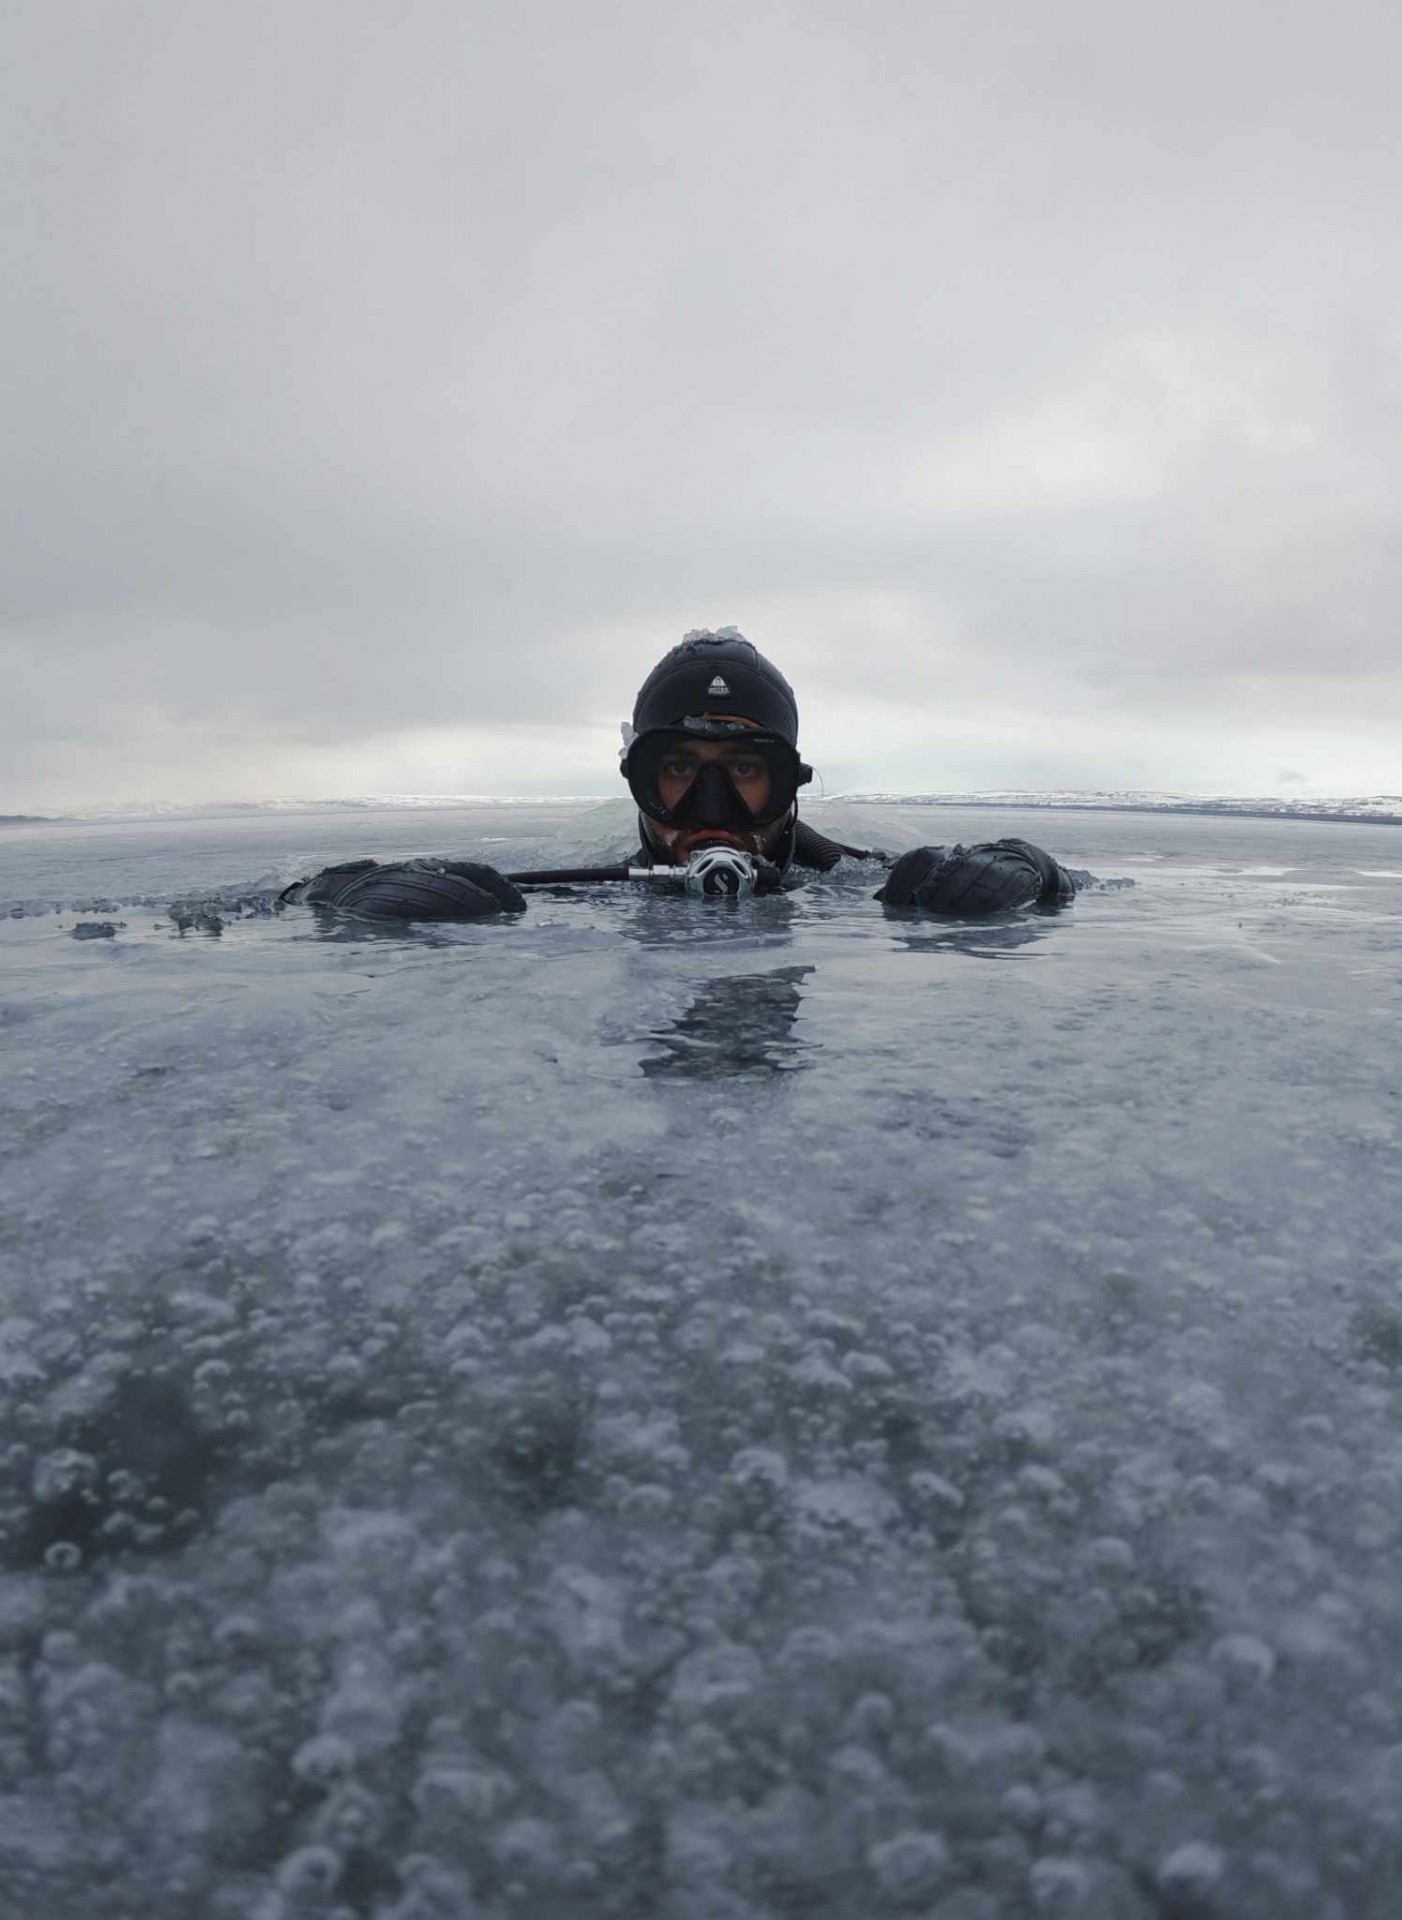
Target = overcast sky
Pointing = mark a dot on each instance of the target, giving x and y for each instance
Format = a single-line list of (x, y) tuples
[(386, 386)]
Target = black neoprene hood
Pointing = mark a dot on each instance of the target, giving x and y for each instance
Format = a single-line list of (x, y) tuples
[(717, 673)]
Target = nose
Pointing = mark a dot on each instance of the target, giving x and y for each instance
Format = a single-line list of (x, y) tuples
[(712, 801)]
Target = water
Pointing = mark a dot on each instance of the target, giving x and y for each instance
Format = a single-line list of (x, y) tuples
[(696, 1409)]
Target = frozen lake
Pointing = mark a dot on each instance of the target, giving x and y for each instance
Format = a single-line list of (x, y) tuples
[(702, 1410)]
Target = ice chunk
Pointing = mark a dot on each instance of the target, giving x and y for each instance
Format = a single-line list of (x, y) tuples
[(1195, 1868), (910, 1867)]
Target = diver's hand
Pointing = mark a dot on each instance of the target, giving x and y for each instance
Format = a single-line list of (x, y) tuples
[(999, 877), (409, 890)]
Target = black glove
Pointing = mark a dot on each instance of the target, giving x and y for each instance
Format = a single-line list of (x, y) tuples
[(409, 890), (997, 878)]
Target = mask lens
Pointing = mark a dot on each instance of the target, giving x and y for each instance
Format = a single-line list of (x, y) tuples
[(732, 777)]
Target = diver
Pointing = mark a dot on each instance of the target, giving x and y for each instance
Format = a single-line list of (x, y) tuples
[(711, 759)]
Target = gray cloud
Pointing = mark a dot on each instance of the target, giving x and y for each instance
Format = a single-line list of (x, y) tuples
[(1028, 381)]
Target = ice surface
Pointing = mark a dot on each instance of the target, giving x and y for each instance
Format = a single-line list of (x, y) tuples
[(700, 1409)]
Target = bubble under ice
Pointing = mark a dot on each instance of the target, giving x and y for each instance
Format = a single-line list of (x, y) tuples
[(690, 1409)]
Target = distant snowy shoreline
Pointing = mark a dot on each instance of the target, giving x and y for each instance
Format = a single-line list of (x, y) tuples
[(1372, 810), (1375, 810)]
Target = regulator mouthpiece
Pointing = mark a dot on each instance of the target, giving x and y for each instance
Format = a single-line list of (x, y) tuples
[(721, 873), (713, 873)]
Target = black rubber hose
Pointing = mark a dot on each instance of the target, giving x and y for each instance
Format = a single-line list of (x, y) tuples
[(565, 876)]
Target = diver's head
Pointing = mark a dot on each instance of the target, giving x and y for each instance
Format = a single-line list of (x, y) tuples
[(712, 752)]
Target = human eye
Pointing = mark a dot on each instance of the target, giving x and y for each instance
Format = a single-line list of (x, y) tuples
[(678, 763)]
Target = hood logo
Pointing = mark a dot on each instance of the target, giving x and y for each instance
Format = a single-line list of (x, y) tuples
[(718, 686)]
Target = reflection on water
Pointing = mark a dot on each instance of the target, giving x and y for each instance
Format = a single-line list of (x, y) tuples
[(980, 941), (654, 916), (739, 1026)]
